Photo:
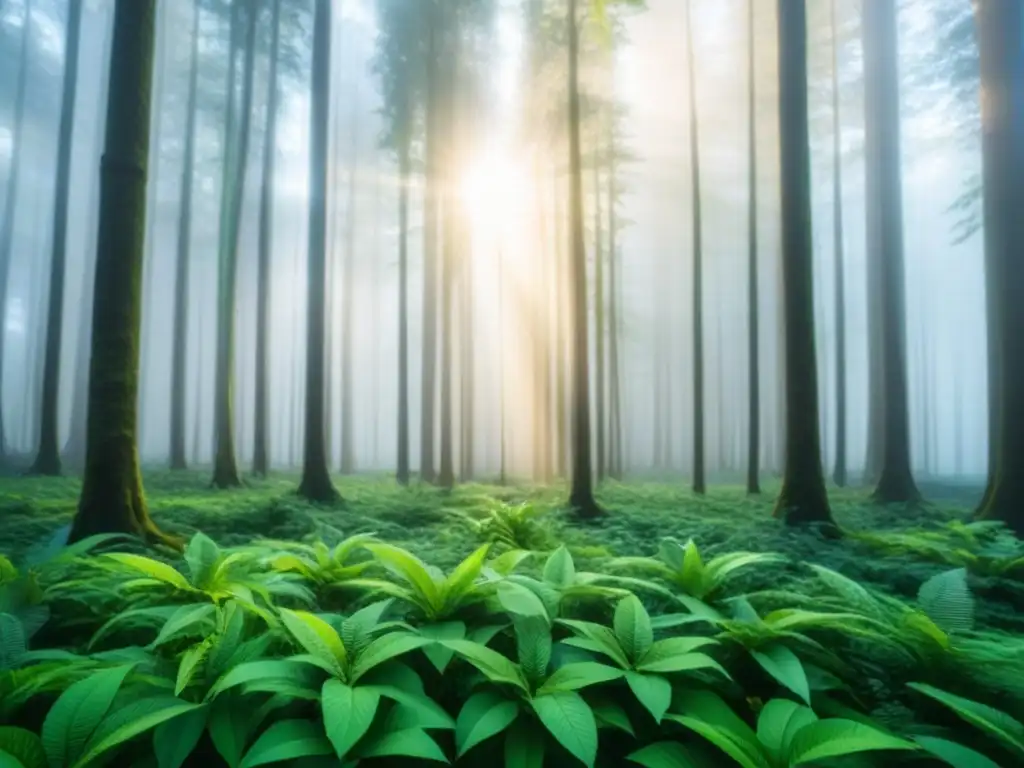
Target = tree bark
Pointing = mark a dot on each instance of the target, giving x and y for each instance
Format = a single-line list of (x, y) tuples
[(839, 475), (316, 482), (600, 410), (348, 299), (614, 373), (753, 310), (802, 498), (403, 308), (112, 499)]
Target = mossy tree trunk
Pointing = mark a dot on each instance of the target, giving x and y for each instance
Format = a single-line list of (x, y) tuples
[(802, 498), (753, 309), (699, 481), (225, 463), (316, 482), (1002, 59), (883, 177), (112, 497), (179, 354), (581, 493)]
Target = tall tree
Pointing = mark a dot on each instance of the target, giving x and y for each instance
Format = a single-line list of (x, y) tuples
[(699, 482), (753, 311), (236, 156), (404, 173), (802, 498), (600, 409), (883, 185), (838, 246), (1002, 60), (260, 456), (348, 300), (47, 461), (179, 354), (112, 497), (316, 482)]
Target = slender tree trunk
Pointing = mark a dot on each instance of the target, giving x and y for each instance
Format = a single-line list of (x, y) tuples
[(47, 461), (403, 309), (466, 355), (560, 311), (225, 467), (179, 363), (502, 440), (600, 411), (884, 186), (448, 277), (348, 300), (112, 497), (581, 495), (753, 310), (316, 482), (699, 482), (803, 498), (838, 245), (614, 373)]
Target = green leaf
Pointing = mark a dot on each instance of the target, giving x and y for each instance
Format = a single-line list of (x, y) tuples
[(229, 729), (348, 714), (581, 674), (747, 753), (947, 600), (437, 654), (317, 637), (684, 662), (652, 691), (524, 745), (994, 722), (287, 740), (610, 714), (633, 627), (784, 665), (133, 719), (954, 754), (23, 747), (494, 666), (482, 716), (188, 618), (570, 720), (77, 713), (201, 556), (13, 643), (356, 629), (533, 643), (520, 601), (712, 709), (151, 568), (277, 669), (691, 575), (465, 574), (386, 648), (409, 568), (603, 638), (175, 740), (560, 569), (409, 742), (835, 737), (189, 665), (662, 754), (778, 722)]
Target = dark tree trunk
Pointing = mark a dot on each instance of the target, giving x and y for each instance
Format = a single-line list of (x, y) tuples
[(839, 474), (614, 373), (179, 362), (882, 128), (112, 497), (699, 482), (403, 309), (225, 463), (47, 461), (1002, 60), (348, 299), (802, 498), (753, 310), (316, 482), (446, 473), (600, 411), (581, 494)]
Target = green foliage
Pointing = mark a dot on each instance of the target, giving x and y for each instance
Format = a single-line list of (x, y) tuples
[(515, 526)]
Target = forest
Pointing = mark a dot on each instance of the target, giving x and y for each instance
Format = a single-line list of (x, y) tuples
[(511, 382)]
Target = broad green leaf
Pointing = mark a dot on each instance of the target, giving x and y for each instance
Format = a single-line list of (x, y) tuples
[(317, 637), (785, 666), (408, 567), (520, 601), (483, 715), (175, 740), (287, 740), (524, 746), (711, 708), (229, 729), (24, 748), (633, 628), (461, 579), (151, 568), (559, 568), (384, 649), (570, 720), (533, 644), (201, 556), (653, 691), (278, 669), (662, 754), (135, 718), (747, 754), (948, 601), (581, 674), (834, 737), (778, 722), (608, 713), (356, 629), (956, 755), (691, 575), (507, 562), (189, 665), (603, 638), (348, 714), (684, 662), (494, 666), (409, 742), (437, 654), (76, 714), (993, 721), (188, 618)]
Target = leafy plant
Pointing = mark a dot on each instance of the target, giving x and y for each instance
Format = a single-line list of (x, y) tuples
[(516, 526), (324, 565)]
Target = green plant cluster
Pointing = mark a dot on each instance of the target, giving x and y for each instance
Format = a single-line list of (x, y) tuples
[(353, 651)]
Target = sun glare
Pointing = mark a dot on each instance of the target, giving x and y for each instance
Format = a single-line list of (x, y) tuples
[(494, 191)]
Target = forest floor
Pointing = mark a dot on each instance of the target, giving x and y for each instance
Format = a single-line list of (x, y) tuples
[(432, 523)]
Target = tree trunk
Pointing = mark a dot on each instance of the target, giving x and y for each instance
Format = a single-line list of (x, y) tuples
[(112, 497), (896, 484), (316, 482), (581, 494), (448, 205), (803, 498), (179, 363), (47, 461), (559, 310), (699, 483), (838, 245), (1002, 59), (753, 310), (348, 299), (225, 466), (614, 372), (403, 308), (600, 411), (466, 356)]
